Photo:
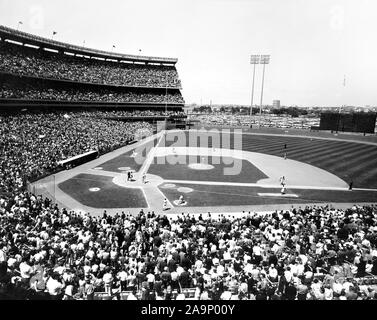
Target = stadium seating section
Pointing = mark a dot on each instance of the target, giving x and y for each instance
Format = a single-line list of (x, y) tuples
[(32, 144), (43, 64), (314, 253), (35, 74), (35, 92)]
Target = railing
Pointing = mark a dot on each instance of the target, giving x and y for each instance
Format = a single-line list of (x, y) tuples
[(79, 159), (59, 168), (29, 102), (189, 294)]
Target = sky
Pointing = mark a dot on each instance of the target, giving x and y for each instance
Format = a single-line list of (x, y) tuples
[(314, 44)]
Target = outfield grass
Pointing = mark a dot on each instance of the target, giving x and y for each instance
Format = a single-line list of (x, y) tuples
[(350, 161), (300, 132)]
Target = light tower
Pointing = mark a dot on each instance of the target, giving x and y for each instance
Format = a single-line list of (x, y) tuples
[(265, 59), (254, 60)]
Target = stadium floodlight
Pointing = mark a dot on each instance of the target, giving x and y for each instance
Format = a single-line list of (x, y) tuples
[(254, 60), (265, 59), (18, 24)]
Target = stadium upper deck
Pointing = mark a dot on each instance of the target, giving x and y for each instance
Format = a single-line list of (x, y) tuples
[(30, 39), (31, 63)]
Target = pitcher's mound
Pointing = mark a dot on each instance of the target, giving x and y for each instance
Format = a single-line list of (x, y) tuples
[(185, 190)]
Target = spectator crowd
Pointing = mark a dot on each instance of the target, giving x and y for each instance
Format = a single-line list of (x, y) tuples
[(312, 253), (35, 92), (32, 144), (43, 64), (140, 113)]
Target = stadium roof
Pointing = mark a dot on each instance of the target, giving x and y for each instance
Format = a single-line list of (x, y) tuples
[(27, 38)]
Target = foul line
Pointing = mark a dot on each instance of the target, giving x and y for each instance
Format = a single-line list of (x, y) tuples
[(165, 197), (150, 157), (364, 189), (256, 185)]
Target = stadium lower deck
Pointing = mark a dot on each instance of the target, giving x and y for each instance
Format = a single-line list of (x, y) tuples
[(317, 171)]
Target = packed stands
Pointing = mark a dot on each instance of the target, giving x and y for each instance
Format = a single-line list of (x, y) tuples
[(38, 69), (32, 144), (313, 253), (30, 62), (140, 113), (35, 92)]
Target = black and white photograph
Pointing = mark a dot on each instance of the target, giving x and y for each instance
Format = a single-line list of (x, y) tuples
[(198, 153)]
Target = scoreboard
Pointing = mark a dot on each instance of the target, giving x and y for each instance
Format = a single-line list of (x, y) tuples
[(348, 122)]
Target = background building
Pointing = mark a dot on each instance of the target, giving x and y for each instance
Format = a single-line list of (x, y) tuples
[(276, 104)]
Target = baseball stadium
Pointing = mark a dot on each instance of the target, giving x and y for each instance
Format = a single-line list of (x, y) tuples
[(318, 167), (109, 190)]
